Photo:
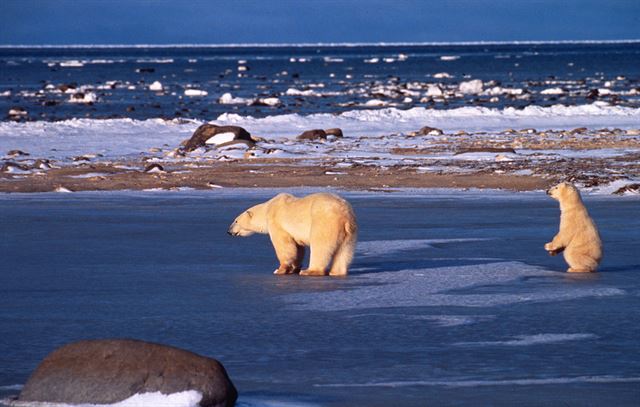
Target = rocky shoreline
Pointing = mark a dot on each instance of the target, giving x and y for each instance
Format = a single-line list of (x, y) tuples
[(229, 156)]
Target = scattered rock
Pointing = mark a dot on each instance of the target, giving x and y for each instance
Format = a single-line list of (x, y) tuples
[(503, 158), (315, 134), (82, 97), (593, 94), (486, 150), (336, 132), (67, 87), (145, 70), (16, 153), (111, 370), (427, 131), (154, 168), (629, 188), (579, 130), (42, 164), (270, 101), (11, 167), (221, 135), (17, 112)]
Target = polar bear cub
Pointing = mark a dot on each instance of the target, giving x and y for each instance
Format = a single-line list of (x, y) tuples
[(323, 221), (578, 235)]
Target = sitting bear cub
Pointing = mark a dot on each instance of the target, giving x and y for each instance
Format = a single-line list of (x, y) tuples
[(578, 236), (323, 221)]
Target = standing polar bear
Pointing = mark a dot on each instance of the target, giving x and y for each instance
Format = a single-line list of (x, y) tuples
[(325, 222), (578, 236)]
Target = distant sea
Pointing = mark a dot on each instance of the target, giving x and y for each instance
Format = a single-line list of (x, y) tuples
[(57, 83)]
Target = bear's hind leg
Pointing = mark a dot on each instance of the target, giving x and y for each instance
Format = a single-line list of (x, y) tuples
[(342, 258), (321, 256), (579, 262)]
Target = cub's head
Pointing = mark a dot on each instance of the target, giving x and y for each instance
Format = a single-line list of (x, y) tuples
[(563, 192), (249, 222)]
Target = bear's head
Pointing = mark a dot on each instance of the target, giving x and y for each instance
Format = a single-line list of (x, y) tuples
[(564, 192), (249, 222)]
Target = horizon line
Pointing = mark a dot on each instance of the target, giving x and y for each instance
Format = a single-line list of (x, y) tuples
[(325, 44)]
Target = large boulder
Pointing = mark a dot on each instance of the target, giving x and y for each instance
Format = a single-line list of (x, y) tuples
[(107, 371), (219, 136)]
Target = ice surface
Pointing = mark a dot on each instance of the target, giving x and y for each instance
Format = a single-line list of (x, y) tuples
[(197, 288), (444, 286), (538, 339), (437, 320), (385, 247), (508, 382)]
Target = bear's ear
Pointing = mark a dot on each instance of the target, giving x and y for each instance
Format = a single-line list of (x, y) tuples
[(250, 214)]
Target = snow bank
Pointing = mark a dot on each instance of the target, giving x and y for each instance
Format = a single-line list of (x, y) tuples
[(392, 120), (189, 398), (120, 137)]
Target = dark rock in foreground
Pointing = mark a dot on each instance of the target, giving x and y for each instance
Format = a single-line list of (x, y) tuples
[(111, 370), (207, 131)]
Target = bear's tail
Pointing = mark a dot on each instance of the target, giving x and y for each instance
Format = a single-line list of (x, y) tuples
[(344, 255)]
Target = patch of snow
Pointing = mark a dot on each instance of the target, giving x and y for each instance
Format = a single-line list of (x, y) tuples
[(552, 91), (156, 86), (221, 138), (472, 87), (195, 92)]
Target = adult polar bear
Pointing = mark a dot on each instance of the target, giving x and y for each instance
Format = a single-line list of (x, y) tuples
[(578, 236), (323, 221)]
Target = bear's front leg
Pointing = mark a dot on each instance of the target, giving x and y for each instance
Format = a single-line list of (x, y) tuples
[(287, 253), (557, 245), (553, 250)]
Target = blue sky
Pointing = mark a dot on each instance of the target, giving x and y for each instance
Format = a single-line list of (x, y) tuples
[(288, 21)]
